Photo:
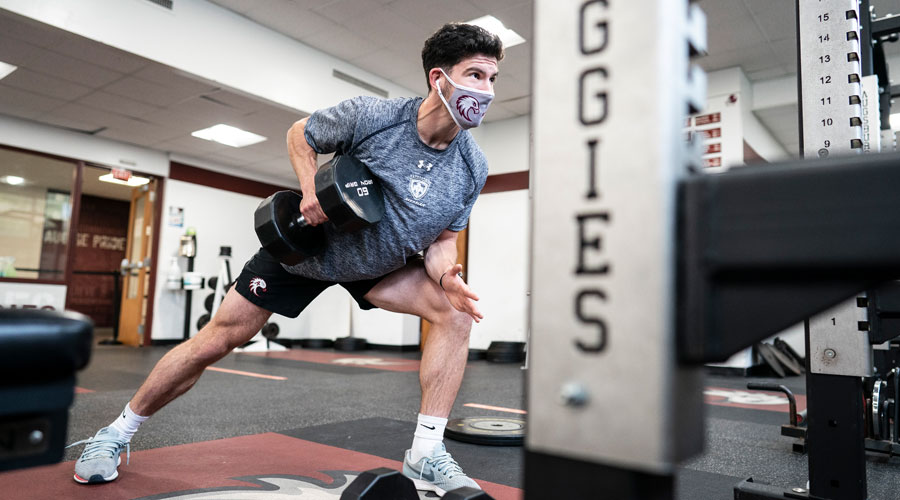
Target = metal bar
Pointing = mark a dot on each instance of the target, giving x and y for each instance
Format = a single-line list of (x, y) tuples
[(886, 26), (836, 437), (760, 247)]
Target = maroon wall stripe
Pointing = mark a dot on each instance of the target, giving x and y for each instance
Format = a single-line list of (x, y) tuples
[(180, 172), (209, 178), (506, 182)]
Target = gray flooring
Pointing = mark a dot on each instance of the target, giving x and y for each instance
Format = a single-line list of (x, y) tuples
[(376, 411)]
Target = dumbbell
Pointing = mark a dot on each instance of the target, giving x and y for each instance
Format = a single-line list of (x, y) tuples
[(349, 195)]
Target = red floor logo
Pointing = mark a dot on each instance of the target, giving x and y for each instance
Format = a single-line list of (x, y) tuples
[(273, 487), (270, 487)]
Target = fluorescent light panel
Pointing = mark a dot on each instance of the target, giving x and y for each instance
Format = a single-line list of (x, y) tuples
[(13, 180), (6, 69), (228, 135), (509, 37), (132, 181)]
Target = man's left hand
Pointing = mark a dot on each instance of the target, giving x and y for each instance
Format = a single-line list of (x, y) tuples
[(461, 297)]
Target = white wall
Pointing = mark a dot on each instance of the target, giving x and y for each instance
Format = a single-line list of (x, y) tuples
[(506, 144), (37, 137), (211, 42), (498, 266), (223, 218)]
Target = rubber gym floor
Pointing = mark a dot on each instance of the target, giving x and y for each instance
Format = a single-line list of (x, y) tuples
[(260, 426)]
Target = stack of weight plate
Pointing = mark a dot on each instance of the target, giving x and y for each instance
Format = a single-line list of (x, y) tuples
[(506, 352)]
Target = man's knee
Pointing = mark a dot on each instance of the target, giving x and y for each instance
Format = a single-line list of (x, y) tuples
[(455, 321)]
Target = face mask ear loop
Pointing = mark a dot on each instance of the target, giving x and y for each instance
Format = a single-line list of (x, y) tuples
[(446, 104)]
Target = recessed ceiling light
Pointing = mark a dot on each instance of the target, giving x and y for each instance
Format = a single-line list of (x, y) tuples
[(13, 180), (132, 181), (6, 69), (509, 37), (228, 135)]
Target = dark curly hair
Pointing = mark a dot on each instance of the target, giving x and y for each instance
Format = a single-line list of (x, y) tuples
[(454, 42)]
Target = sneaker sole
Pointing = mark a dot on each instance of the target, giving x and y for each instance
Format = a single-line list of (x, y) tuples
[(423, 485), (112, 477)]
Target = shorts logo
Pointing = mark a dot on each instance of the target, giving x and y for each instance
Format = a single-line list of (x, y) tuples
[(257, 284), (418, 186)]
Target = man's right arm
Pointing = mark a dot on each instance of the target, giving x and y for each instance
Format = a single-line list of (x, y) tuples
[(303, 160)]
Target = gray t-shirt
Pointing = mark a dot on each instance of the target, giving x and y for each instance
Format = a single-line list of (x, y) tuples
[(426, 190)]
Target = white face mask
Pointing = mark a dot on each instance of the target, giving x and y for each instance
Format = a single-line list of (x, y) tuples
[(469, 105)]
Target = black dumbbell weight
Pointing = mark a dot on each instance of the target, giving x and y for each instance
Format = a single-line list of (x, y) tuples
[(349, 195)]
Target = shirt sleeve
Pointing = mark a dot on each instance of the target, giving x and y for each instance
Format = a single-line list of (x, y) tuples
[(333, 129)]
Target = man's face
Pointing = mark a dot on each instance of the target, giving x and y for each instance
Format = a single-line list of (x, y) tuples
[(478, 72)]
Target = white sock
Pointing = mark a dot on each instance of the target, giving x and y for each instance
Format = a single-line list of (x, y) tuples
[(128, 422), (429, 432)]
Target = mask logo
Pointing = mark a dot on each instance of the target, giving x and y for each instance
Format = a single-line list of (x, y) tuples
[(467, 105), (257, 284), (418, 186)]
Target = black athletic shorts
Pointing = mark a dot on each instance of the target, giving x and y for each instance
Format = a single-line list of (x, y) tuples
[(265, 283)]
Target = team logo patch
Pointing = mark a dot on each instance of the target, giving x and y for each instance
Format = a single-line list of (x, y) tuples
[(468, 106), (418, 186), (257, 284)]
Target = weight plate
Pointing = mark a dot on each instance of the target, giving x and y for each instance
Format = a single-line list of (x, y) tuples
[(477, 354), (505, 357), (270, 330), (211, 282), (202, 321), (878, 405), (765, 350), (317, 343), (350, 344), (208, 302), (494, 431), (789, 364)]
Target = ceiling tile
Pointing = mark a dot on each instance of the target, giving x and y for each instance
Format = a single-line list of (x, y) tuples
[(392, 29), (386, 63), (290, 18), (238, 100), (342, 43), (38, 83), (509, 87), (29, 30), (186, 85), (17, 52), (734, 33), (98, 117), (432, 14), (94, 52), (518, 18), (140, 133), (768, 73), (148, 92), (520, 106), (12, 96), (66, 68), (776, 18), (118, 104), (338, 10)]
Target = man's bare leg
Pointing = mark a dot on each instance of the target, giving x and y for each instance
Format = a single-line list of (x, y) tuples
[(236, 321), (409, 290)]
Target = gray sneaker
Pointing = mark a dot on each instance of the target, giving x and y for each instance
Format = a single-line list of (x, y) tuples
[(99, 461), (438, 473)]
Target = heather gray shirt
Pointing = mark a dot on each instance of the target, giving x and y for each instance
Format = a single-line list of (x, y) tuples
[(426, 190)]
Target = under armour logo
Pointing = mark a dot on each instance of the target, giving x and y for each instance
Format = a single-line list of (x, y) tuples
[(426, 167)]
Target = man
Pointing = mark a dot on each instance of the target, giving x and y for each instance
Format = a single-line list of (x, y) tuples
[(431, 172)]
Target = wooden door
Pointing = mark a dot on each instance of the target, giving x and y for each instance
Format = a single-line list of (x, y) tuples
[(462, 247), (136, 270)]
